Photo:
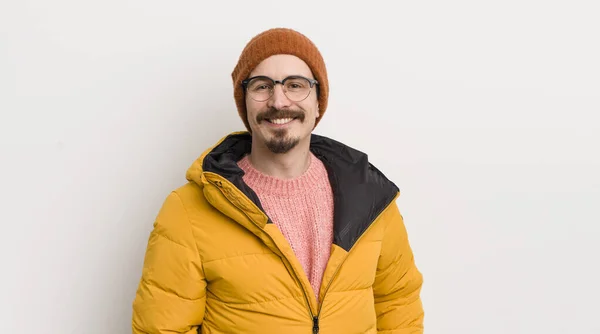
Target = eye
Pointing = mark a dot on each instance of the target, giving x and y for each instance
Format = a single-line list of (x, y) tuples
[(296, 84), (260, 85)]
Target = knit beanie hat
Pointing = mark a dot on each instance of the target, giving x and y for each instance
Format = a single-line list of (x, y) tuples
[(279, 41)]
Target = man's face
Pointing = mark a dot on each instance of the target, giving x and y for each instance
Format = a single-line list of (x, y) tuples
[(281, 122)]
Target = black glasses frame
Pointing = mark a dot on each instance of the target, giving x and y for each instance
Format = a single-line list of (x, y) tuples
[(312, 83)]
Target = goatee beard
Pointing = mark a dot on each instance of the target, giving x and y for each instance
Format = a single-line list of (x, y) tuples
[(280, 143)]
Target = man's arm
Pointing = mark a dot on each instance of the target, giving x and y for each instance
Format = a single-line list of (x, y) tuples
[(398, 282), (171, 295)]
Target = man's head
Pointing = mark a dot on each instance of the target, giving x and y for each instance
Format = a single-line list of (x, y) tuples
[(280, 88)]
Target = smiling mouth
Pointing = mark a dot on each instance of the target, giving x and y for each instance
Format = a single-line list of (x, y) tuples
[(280, 121)]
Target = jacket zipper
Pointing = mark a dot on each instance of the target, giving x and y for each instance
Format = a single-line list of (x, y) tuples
[(315, 318)]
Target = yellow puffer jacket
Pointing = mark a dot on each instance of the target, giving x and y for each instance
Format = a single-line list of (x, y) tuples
[(215, 263)]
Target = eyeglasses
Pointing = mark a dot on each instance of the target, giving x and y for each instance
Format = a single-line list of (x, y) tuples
[(295, 87)]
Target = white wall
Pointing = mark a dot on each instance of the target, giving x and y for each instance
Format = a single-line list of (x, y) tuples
[(486, 114)]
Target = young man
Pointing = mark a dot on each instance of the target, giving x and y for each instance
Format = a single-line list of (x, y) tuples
[(279, 230)]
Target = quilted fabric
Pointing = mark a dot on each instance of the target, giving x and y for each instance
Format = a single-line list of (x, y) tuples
[(215, 263)]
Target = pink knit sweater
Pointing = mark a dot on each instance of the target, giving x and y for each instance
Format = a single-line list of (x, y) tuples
[(302, 208)]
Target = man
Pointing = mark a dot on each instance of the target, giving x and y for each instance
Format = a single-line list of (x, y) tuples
[(279, 230)]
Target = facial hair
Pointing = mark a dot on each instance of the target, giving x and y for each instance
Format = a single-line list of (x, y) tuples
[(281, 143)]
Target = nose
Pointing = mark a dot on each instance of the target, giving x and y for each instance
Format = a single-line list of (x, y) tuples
[(279, 100)]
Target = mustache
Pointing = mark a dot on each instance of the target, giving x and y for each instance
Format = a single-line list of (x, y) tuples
[(278, 113)]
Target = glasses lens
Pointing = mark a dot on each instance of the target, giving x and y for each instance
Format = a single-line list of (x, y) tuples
[(297, 89), (260, 89)]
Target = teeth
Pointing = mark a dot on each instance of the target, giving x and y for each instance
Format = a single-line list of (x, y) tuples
[(281, 120)]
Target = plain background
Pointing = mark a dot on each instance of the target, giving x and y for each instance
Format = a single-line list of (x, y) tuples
[(485, 113)]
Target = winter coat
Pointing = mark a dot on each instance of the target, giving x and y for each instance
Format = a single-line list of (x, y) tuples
[(216, 263)]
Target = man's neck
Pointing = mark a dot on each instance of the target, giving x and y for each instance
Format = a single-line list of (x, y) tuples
[(284, 166)]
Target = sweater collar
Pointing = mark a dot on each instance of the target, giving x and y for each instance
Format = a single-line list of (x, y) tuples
[(309, 181)]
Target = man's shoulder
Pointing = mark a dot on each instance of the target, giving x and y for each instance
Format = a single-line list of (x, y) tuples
[(191, 197), (351, 164)]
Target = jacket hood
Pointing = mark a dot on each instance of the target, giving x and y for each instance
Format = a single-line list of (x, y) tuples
[(361, 192)]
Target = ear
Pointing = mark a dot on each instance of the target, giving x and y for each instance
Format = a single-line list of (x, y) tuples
[(318, 111)]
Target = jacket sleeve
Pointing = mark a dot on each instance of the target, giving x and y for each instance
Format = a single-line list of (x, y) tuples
[(171, 294), (398, 282)]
